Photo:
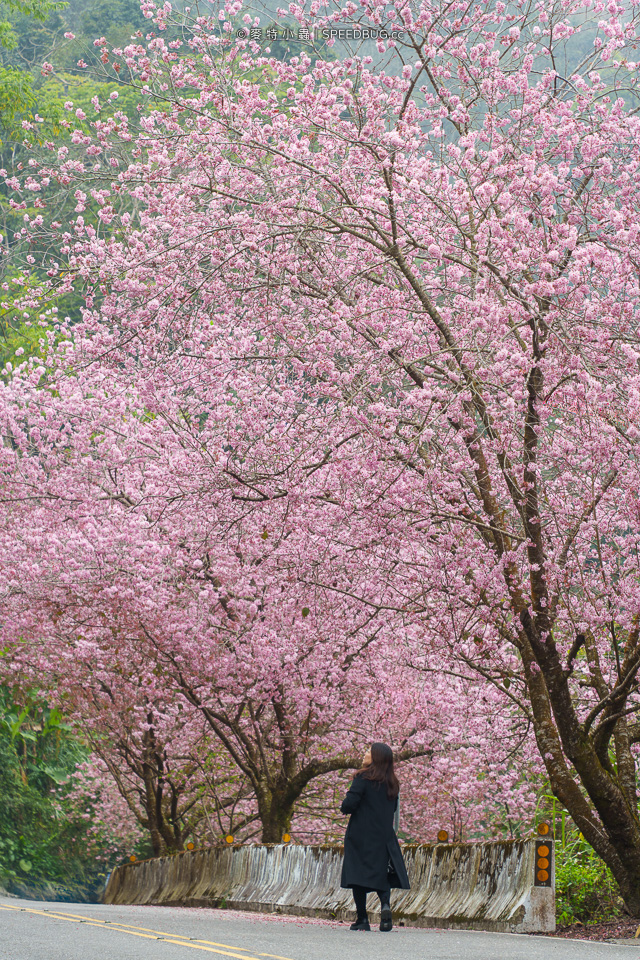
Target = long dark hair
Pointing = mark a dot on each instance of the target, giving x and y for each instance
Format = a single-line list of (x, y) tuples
[(381, 769)]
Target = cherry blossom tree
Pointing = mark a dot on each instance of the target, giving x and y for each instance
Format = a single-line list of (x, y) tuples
[(155, 752), (153, 763), (378, 330), (109, 552), (124, 623)]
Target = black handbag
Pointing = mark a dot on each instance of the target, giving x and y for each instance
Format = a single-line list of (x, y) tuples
[(392, 875)]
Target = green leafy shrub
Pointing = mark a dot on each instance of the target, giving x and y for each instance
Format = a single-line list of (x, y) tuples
[(45, 837), (585, 889)]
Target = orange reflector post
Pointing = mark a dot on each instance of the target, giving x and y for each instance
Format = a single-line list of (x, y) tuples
[(286, 838), (228, 838), (443, 836), (543, 828), (133, 858), (190, 845), (544, 855)]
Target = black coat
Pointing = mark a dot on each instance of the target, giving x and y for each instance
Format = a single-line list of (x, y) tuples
[(370, 842)]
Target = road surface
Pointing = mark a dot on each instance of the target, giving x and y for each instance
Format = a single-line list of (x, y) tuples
[(31, 930)]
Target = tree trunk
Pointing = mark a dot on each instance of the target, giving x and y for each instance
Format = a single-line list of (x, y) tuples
[(607, 816), (275, 816), (165, 837)]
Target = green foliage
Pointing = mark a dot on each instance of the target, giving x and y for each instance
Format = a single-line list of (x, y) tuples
[(36, 41), (81, 89), (585, 889), (16, 98), (18, 343), (20, 338), (34, 9), (43, 836), (115, 19), (38, 9)]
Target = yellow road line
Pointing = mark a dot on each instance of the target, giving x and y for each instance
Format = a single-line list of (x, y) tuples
[(160, 933), (61, 916), (175, 938), (116, 923)]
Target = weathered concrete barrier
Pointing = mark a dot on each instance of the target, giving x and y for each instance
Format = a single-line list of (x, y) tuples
[(478, 886)]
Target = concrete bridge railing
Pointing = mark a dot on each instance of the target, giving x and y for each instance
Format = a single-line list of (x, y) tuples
[(481, 886)]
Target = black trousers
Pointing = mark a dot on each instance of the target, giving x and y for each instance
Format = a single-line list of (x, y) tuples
[(360, 897)]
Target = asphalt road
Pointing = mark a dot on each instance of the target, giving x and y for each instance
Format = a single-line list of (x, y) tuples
[(31, 930)]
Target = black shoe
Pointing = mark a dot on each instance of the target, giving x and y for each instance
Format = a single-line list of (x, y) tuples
[(360, 925), (386, 920)]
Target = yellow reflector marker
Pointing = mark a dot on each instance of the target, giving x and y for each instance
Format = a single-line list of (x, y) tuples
[(443, 836), (544, 854), (229, 838)]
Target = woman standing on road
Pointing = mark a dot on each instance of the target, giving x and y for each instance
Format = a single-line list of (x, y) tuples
[(372, 856)]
